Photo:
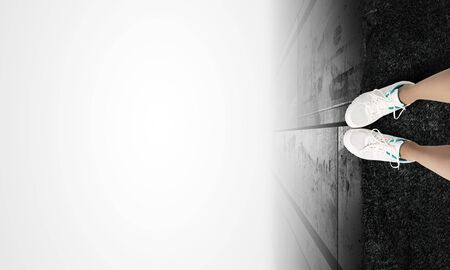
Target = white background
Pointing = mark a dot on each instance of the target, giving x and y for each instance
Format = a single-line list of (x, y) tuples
[(134, 135)]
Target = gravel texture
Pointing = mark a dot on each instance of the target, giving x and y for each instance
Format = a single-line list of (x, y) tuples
[(406, 212)]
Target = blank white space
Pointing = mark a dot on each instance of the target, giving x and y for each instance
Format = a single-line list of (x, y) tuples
[(134, 135)]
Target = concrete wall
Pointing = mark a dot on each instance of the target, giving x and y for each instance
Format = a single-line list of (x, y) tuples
[(319, 74)]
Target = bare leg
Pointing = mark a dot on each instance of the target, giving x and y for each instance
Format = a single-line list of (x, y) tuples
[(436, 87), (435, 158)]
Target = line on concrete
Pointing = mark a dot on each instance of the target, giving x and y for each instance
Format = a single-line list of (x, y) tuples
[(298, 27), (327, 125), (337, 195), (326, 253), (325, 109), (297, 242)]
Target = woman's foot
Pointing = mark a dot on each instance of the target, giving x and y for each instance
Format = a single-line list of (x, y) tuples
[(371, 106), (373, 145)]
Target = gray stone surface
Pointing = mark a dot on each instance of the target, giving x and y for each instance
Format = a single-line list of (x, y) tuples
[(328, 69), (307, 170), (314, 184), (323, 179), (297, 252), (285, 100), (349, 207), (329, 56), (319, 74)]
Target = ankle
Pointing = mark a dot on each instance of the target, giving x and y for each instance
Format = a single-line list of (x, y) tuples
[(406, 94), (410, 150)]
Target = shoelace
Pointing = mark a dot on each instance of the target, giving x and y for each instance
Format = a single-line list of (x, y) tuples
[(379, 137), (401, 111), (384, 98)]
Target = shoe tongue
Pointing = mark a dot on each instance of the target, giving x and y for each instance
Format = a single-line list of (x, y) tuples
[(394, 96), (396, 99), (396, 147)]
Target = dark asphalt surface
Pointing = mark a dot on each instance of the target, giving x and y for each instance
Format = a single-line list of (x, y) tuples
[(406, 212)]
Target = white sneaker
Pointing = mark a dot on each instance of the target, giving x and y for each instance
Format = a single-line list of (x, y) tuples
[(371, 106), (373, 145)]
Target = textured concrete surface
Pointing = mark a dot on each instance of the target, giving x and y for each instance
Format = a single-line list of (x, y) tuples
[(285, 98), (329, 56), (322, 180), (349, 207), (308, 172), (297, 248), (319, 74), (327, 43)]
